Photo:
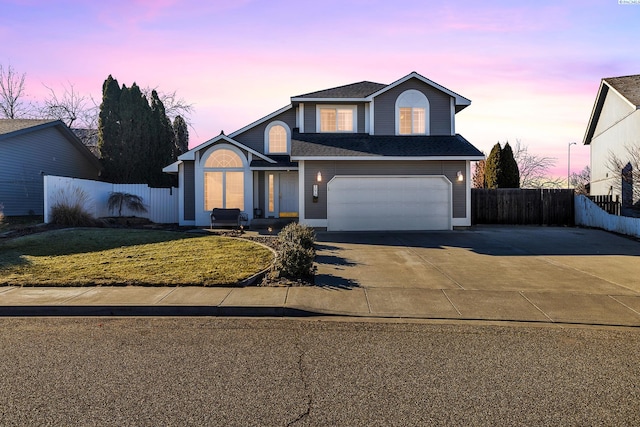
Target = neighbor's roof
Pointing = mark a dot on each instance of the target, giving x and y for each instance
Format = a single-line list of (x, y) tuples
[(627, 86), (14, 125), (317, 145), (354, 90)]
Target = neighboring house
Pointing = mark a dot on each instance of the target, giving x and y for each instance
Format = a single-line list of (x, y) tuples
[(30, 149), (365, 156), (613, 128)]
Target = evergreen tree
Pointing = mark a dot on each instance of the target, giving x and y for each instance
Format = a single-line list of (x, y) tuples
[(478, 175), (109, 141), (509, 174), (136, 138), (182, 135), (492, 170)]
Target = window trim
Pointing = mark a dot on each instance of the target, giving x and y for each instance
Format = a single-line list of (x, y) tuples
[(266, 137), (242, 168), (412, 98), (353, 108)]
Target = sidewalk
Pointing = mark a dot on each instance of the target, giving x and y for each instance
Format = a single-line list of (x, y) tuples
[(403, 303)]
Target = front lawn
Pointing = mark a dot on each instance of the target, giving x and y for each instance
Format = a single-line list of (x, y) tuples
[(83, 257)]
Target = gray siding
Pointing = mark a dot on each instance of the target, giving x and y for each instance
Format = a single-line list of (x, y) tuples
[(189, 191), (439, 108), (254, 137), (26, 158), (331, 168)]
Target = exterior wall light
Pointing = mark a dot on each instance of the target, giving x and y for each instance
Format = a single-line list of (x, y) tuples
[(319, 177), (460, 176)]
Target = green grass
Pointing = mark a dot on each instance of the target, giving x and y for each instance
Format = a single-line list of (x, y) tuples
[(83, 257)]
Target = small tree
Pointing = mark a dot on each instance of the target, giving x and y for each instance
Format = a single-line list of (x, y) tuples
[(534, 169), (626, 170), (12, 93), (132, 202), (492, 167), (478, 175), (580, 181)]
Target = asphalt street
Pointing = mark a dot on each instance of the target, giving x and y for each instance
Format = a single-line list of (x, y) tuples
[(311, 372)]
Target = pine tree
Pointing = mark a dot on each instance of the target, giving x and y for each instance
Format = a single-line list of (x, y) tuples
[(182, 135), (492, 171), (162, 142), (509, 173), (109, 141)]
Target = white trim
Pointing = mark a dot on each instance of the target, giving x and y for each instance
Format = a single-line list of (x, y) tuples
[(317, 223), (301, 117), (192, 154), (367, 119), (354, 123), (288, 137), (467, 183), (635, 107), (460, 100), (372, 123), (452, 107), (419, 100), (301, 212), (172, 168), (461, 222), (386, 158), (256, 195), (260, 121)]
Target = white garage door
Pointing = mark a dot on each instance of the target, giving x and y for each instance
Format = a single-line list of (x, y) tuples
[(369, 203)]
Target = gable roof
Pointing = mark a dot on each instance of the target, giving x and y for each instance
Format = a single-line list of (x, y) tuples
[(628, 87), (353, 90), (359, 145), (366, 91), (10, 128), (190, 155)]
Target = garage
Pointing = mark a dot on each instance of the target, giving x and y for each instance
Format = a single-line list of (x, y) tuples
[(381, 202)]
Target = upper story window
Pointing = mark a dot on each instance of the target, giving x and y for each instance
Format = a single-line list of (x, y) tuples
[(332, 118), (277, 136), (412, 113)]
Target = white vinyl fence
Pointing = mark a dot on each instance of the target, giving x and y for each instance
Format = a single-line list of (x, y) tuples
[(161, 203), (590, 215)]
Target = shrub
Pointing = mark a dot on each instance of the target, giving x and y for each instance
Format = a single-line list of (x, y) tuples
[(296, 252), (68, 210), (132, 202), (1, 213)]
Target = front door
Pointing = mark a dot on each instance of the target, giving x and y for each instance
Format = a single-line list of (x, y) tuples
[(282, 194)]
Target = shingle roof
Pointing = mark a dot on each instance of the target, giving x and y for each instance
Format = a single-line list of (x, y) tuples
[(282, 162), (354, 90), (627, 86), (13, 125), (365, 145)]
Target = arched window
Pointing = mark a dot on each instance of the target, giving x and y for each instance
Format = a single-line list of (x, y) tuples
[(223, 180), (276, 138), (412, 113)]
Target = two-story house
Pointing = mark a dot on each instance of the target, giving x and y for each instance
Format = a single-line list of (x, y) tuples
[(364, 156)]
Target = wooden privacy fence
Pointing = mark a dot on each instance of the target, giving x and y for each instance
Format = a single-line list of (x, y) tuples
[(522, 206), (607, 203)]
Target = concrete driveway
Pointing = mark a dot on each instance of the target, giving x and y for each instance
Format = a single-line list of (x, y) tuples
[(483, 258)]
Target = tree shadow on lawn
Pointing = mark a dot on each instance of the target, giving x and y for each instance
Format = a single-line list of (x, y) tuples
[(80, 240)]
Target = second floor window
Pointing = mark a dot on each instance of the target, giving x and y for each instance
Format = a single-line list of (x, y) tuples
[(277, 139), (337, 119), (412, 113)]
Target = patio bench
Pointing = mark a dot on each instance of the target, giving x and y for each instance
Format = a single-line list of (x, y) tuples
[(221, 217)]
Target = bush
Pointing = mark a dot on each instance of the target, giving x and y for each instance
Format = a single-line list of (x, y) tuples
[(68, 210), (1, 213), (296, 252), (132, 202)]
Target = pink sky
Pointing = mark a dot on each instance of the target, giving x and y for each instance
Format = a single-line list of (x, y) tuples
[(531, 69)]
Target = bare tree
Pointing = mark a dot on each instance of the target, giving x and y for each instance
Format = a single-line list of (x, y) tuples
[(173, 105), (74, 109), (12, 93), (534, 169), (477, 180), (626, 173), (580, 181)]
